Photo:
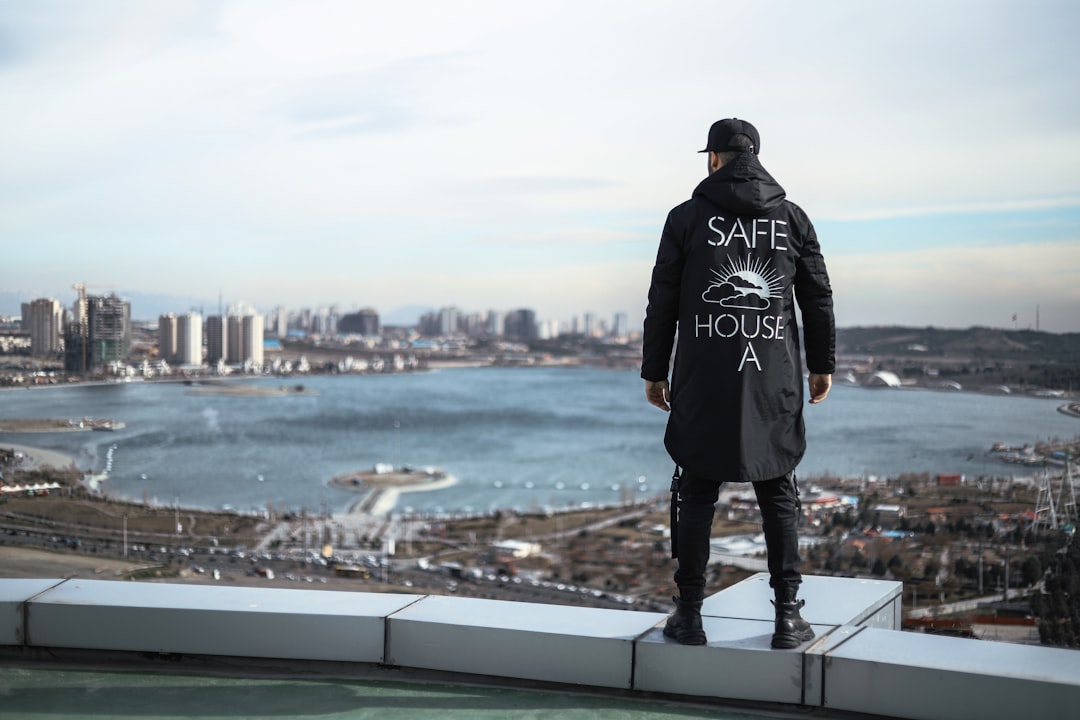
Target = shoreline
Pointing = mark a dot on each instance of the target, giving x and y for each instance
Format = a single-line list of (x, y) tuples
[(35, 458), (55, 425), (204, 385)]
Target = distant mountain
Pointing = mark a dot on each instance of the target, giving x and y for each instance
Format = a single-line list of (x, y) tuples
[(974, 343), (404, 316)]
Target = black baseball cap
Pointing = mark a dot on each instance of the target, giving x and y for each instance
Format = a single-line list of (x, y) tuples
[(722, 131)]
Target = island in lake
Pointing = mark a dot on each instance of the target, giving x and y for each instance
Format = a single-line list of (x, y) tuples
[(244, 390), (387, 476)]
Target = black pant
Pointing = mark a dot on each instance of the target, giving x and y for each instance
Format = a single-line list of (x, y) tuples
[(778, 501)]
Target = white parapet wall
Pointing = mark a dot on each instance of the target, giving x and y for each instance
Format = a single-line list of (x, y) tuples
[(859, 662)]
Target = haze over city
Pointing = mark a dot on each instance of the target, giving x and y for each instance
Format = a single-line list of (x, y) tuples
[(498, 155)]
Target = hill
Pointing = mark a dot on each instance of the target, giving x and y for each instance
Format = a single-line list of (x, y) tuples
[(1027, 358)]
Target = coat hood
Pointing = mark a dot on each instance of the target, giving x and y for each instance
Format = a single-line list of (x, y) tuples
[(743, 186)]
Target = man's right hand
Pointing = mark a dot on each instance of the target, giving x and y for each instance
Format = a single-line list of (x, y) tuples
[(658, 393)]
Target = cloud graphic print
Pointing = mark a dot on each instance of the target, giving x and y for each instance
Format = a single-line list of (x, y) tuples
[(746, 283)]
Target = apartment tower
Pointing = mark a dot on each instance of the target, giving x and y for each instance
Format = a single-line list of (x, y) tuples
[(44, 319), (189, 339), (167, 337)]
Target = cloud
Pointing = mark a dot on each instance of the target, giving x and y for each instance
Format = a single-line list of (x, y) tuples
[(420, 138), (570, 236), (961, 286), (539, 185), (993, 207)]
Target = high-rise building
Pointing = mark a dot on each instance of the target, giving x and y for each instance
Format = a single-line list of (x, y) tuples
[(472, 324), (335, 314), (234, 342), (43, 319), (448, 321), (251, 338), (110, 329), (104, 337), (167, 337), (80, 313), (590, 325), (245, 340), (620, 327), (281, 322), (304, 320), (189, 339), (521, 324), (547, 329), (495, 323), (363, 322), (216, 340), (76, 349)]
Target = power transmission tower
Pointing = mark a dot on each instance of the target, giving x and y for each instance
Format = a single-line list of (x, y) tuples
[(1066, 499), (1045, 512), (1056, 507)]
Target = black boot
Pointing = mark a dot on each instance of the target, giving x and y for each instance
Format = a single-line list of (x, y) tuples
[(791, 630), (692, 532), (684, 625)]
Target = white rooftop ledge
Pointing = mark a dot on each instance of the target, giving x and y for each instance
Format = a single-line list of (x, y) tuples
[(212, 620), (931, 677), (14, 594), (829, 601), (857, 663), (551, 643)]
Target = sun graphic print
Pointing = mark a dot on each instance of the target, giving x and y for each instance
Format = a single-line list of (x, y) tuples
[(747, 283)]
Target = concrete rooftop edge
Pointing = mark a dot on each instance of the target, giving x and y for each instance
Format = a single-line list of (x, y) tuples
[(859, 662)]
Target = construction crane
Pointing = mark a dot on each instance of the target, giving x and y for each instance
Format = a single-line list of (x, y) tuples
[(81, 288)]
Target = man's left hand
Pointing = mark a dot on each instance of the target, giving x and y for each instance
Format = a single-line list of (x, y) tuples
[(820, 384)]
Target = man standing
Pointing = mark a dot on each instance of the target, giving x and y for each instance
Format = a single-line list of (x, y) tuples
[(733, 261)]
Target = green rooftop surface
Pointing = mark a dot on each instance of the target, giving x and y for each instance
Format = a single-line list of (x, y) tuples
[(57, 694)]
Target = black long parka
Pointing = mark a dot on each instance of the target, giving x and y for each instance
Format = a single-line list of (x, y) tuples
[(732, 262)]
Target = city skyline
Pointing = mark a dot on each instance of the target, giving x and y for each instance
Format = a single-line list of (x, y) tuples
[(419, 155), (155, 306), (162, 306)]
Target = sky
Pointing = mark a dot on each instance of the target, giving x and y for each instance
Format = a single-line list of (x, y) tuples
[(504, 155)]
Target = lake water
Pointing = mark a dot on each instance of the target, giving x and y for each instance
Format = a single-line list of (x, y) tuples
[(520, 438)]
